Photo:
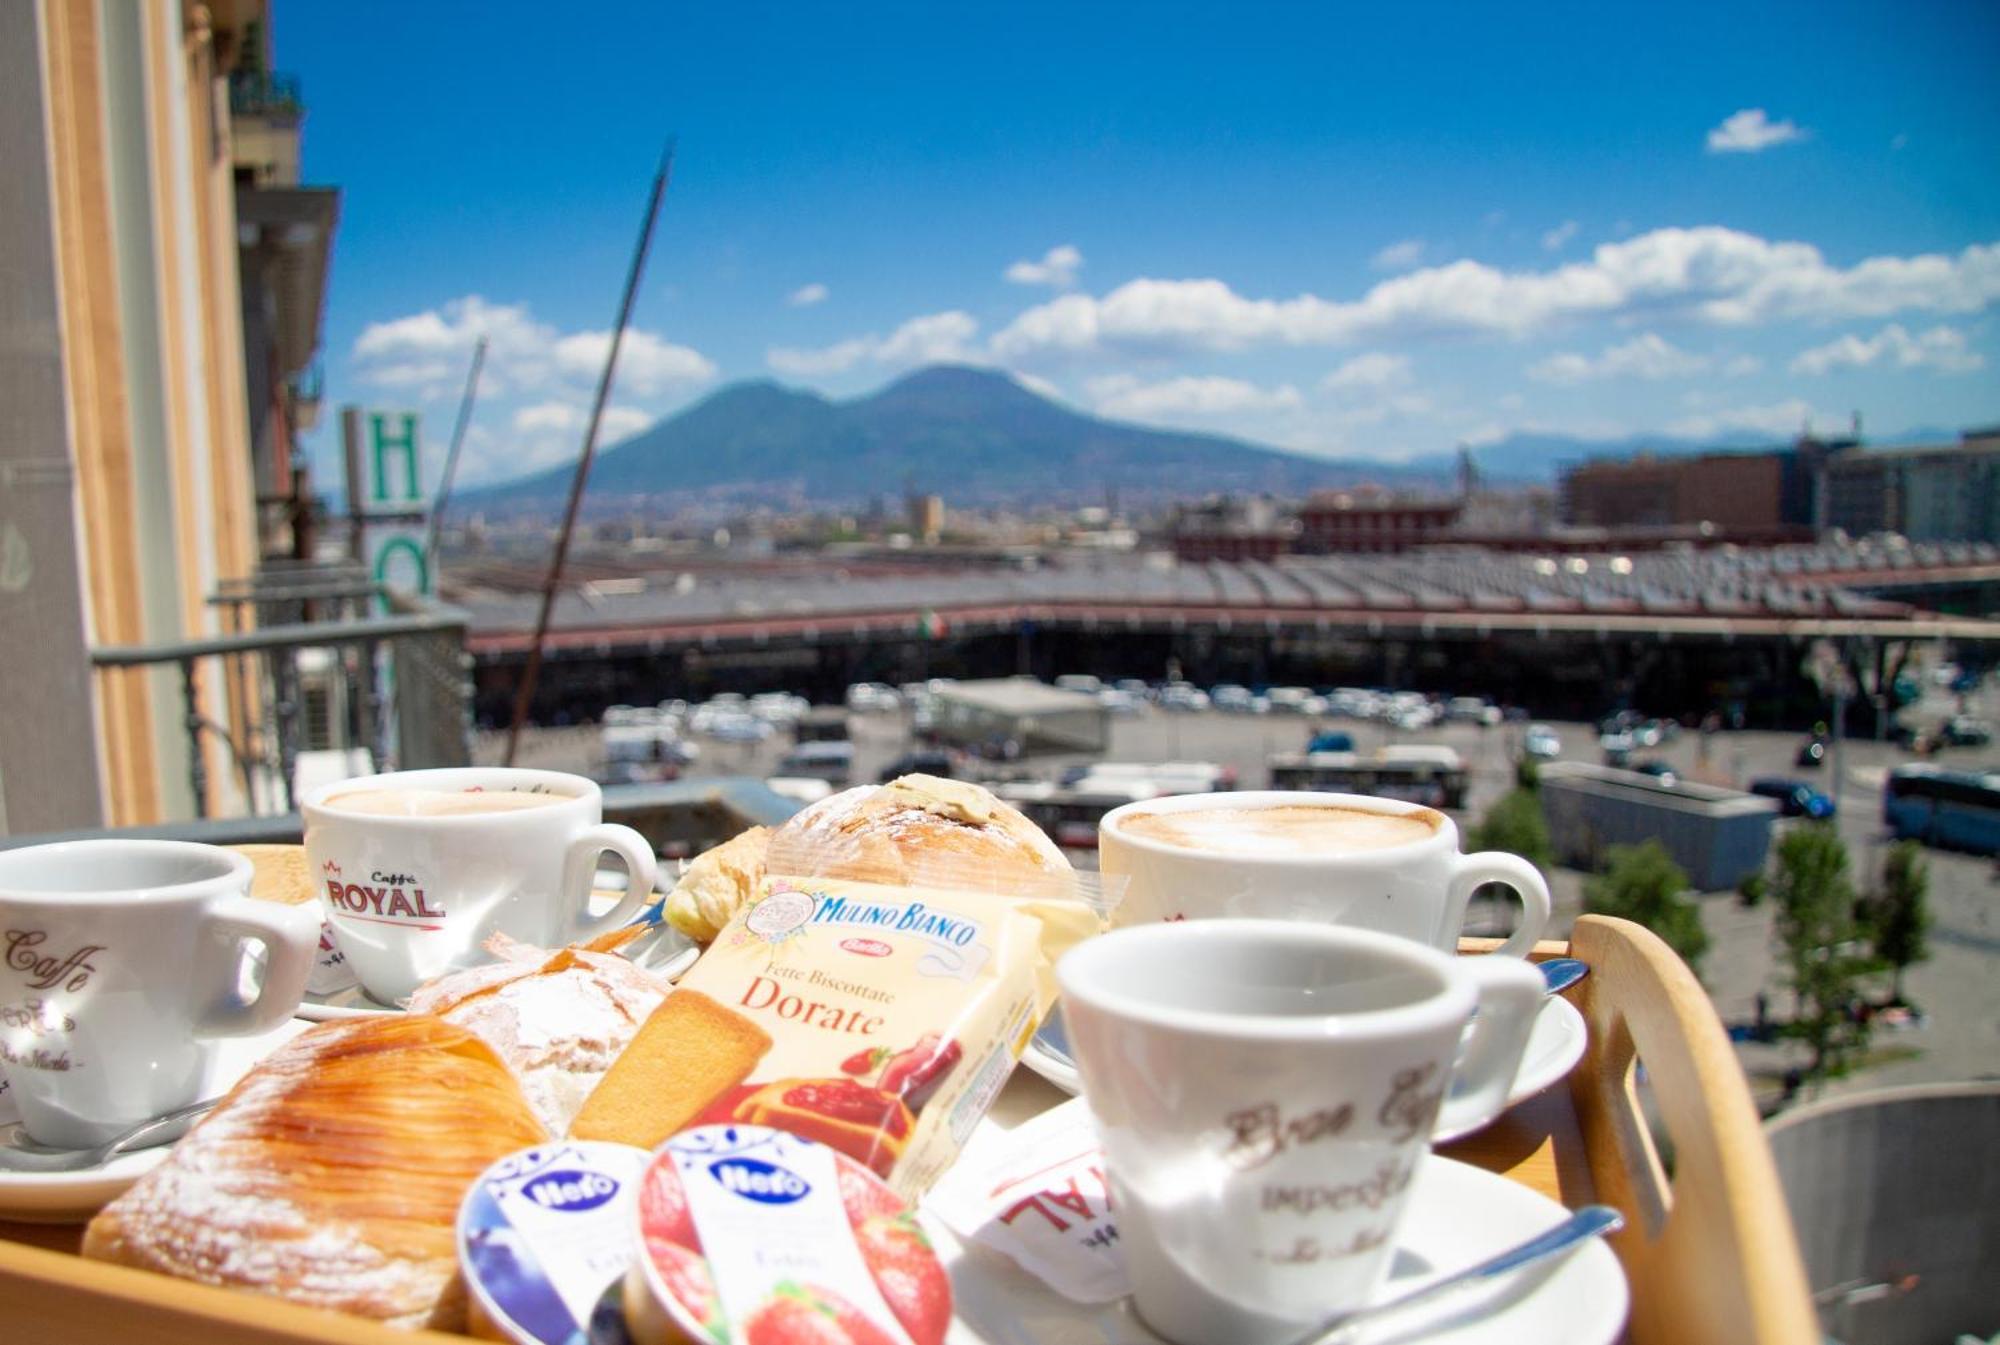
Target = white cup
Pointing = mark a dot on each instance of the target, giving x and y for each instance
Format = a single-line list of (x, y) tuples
[(1264, 1092), (1418, 890), (412, 897), (121, 961)]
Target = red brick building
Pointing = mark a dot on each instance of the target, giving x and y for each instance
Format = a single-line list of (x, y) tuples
[(1337, 523)]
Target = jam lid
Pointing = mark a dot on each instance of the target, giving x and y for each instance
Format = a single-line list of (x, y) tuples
[(755, 1234), (543, 1233)]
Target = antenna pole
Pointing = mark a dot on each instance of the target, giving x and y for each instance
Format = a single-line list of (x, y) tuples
[(532, 673), (451, 461)]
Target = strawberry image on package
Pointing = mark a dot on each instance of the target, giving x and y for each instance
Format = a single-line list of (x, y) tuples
[(760, 1237)]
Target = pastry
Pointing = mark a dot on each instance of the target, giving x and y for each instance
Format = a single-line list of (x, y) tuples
[(717, 883), (557, 1019), (921, 831), (331, 1175), (690, 1052)]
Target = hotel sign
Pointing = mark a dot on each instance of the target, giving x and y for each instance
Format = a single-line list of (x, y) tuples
[(388, 497)]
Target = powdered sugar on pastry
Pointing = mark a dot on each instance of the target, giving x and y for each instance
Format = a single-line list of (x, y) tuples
[(558, 1024), (330, 1176)]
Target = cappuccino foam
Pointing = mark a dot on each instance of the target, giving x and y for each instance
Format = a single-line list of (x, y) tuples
[(439, 802), (1289, 830)]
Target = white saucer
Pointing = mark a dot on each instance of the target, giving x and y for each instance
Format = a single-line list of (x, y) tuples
[(1457, 1215), (1554, 1046), (665, 951), (72, 1197)]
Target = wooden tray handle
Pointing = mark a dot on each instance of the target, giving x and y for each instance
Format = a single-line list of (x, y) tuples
[(1709, 1250)]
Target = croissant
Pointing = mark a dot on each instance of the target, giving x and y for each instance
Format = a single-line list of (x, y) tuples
[(331, 1175)]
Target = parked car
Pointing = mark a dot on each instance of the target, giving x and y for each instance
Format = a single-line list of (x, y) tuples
[(1965, 731), (832, 762), (873, 697), (1542, 743), (1795, 798), (1331, 740), (1659, 770)]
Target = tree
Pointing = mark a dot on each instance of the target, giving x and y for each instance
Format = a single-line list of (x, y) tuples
[(1515, 824), (1820, 943), (1898, 916), (1643, 884)]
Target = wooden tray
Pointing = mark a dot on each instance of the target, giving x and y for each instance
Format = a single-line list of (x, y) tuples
[(1709, 1252)]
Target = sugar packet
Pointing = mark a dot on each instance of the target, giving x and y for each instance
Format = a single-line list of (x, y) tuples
[(1037, 1194)]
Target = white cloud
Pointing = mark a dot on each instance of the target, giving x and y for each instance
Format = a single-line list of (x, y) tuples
[(1741, 366), (805, 296), (929, 339), (1710, 274), (1554, 239), (544, 417), (622, 422), (1780, 420), (1373, 370), (1941, 348), (1751, 131), (1127, 398), (1057, 268), (1646, 356), (646, 364), (1399, 256), (430, 352), (1041, 387)]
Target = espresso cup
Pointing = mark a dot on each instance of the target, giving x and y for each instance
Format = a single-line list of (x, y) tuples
[(1264, 1092), (1341, 859), (121, 962), (416, 869)]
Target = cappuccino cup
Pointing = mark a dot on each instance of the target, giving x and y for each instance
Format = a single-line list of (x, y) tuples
[(121, 964), (1341, 859), (1264, 1093), (415, 870)]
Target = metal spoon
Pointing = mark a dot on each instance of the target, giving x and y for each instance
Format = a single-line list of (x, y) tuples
[(160, 1130), (1589, 1222)]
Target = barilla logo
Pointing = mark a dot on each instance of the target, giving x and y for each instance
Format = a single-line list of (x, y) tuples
[(754, 1179), (910, 918), (571, 1191)]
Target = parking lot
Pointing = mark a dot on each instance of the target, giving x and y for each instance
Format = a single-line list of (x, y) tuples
[(1959, 987)]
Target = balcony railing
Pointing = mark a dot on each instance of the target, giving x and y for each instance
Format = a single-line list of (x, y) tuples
[(319, 670), (258, 93)]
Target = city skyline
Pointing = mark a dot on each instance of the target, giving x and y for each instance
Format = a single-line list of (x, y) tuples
[(1326, 232)]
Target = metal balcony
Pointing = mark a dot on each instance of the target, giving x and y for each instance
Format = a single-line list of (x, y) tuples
[(310, 663)]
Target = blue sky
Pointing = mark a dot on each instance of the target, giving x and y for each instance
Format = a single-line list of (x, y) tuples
[(1339, 229)]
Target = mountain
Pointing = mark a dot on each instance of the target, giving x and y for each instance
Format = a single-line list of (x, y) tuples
[(971, 435)]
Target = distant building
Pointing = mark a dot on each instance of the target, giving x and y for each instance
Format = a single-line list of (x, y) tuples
[(926, 518), (1337, 523), (1745, 491), (1948, 492), (1233, 528)]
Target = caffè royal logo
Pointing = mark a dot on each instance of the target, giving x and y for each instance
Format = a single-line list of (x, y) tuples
[(49, 970), (387, 898)]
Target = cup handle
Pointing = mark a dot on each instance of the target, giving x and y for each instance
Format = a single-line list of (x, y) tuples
[(580, 866), (290, 935), (1510, 999), (1497, 866)]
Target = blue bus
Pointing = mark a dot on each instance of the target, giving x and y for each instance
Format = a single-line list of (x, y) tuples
[(1958, 809)]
